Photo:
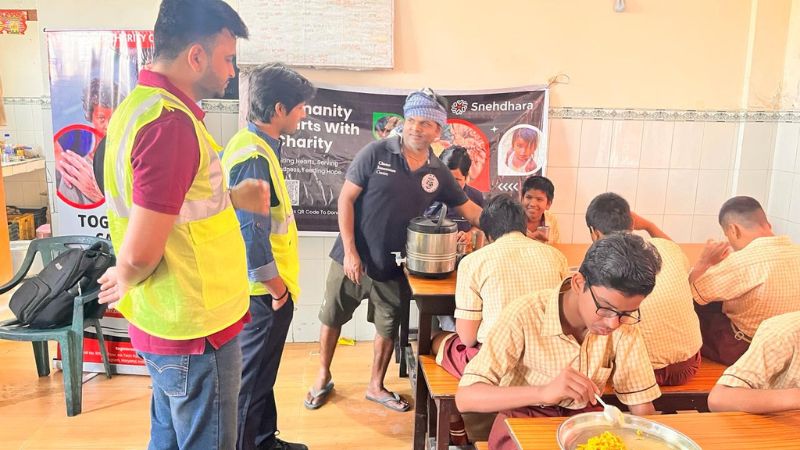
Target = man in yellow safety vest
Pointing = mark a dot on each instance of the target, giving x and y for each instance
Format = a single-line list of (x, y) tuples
[(181, 274), (277, 97)]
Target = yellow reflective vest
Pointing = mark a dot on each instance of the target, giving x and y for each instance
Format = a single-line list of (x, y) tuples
[(200, 285), (283, 235)]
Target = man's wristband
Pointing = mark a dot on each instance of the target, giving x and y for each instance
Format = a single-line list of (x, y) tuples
[(285, 293)]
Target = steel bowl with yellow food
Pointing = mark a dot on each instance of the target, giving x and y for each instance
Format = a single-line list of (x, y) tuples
[(592, 431)]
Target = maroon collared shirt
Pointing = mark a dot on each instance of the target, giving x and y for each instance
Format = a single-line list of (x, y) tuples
[(165, 158)]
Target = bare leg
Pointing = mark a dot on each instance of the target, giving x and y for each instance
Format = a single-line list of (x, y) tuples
[(380, 363), (436, 342), (328, 337)]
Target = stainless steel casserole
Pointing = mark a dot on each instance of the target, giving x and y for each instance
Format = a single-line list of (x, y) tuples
[(431, 246)]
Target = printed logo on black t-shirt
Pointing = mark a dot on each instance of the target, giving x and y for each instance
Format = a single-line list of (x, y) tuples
[(384, 169), (430, 183)]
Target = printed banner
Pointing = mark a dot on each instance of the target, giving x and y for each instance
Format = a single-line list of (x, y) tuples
[(91, 72), (504, 131), (121, 354)]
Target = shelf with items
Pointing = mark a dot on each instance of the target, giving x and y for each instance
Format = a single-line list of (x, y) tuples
[(24, 166)]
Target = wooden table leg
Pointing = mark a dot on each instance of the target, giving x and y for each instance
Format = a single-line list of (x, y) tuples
[(427, 307), (405, 317), (421, 396), (421, 392), (424, 337)]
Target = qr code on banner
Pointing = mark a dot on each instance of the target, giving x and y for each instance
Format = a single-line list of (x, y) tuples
[(293, 186)]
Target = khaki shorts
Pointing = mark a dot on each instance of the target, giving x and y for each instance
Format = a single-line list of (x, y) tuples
[(342, 297)]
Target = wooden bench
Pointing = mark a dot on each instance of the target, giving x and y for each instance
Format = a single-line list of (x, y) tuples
[(441, 399), (692, 395)]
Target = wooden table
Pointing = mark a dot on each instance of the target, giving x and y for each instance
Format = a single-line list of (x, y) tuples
[(724, 431), (437, 297)]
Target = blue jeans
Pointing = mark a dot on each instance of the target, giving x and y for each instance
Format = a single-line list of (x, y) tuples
[(194, 398), (262, 343)]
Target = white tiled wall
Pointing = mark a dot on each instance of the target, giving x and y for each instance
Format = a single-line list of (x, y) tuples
[(27, 190), (676, 174), (25, 124), (783, 181)]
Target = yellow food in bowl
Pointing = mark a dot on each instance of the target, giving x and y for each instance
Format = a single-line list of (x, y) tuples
[(605, 441)]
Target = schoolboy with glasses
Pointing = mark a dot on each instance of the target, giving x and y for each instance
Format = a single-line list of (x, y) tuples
[(558, 348), (671, 329)]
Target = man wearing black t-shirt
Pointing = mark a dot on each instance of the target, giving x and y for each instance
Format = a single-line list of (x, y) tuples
[(388, 183)]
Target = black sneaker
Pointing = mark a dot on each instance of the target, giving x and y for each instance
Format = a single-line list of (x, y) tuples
[(278, 444)]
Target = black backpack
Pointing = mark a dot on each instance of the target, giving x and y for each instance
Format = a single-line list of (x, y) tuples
[(46, 300)]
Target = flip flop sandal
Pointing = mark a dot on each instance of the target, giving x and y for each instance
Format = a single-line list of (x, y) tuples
[(320, 397), (391, 398)]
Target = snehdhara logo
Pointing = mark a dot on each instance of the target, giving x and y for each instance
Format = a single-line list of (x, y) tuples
[(459, 107)]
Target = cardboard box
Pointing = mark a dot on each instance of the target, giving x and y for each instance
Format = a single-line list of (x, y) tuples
[(27, 230)]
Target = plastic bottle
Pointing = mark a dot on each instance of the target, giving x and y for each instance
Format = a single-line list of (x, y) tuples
[(8, 147)]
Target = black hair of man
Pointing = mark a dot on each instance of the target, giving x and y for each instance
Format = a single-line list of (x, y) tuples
[(744, 211), (502, 215), (456, 157), (539, 183), (182, 23), (98, 93), (609, 212), (270, 84), (624, 262)]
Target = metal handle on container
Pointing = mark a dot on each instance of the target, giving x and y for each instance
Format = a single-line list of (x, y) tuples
[(442, 214)]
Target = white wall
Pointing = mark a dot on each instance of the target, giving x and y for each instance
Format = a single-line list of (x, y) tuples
[(784, 202)]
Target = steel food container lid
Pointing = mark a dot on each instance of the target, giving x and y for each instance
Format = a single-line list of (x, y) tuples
[(428, 225)]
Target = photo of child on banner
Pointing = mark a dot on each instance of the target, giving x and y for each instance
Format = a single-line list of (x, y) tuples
[(518, 154), (88, 81), (75, 146)]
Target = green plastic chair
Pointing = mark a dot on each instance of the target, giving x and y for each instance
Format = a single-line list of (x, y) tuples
[(69, 337)]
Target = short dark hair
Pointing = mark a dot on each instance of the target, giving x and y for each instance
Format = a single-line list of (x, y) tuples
[(743, 210), (98, 93), (539, 183), (624, 262), (456, 157), (608, 213), (270, 84), (502, 215), (181, 23)]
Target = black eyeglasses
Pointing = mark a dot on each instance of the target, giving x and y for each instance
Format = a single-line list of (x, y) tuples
[(628, 318)]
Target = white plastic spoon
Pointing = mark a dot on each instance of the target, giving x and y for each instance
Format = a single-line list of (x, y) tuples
[(611, 412)]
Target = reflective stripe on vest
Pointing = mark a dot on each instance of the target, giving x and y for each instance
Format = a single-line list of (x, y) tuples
[(200, 285), (283, 229)]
